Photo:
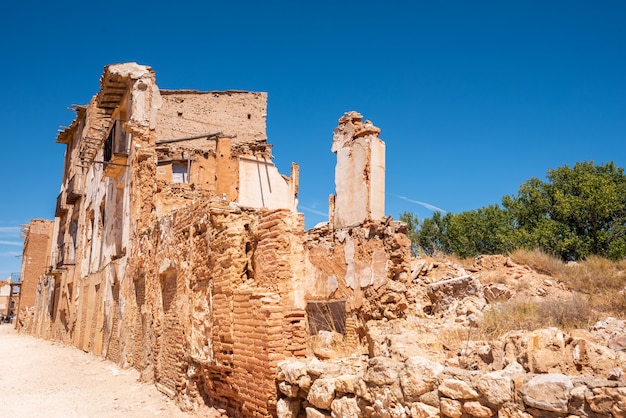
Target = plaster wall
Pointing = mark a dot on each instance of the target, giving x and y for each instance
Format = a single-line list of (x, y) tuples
[(359, 172), (5, 293), (238, 114), (351, 201), (262, 186)]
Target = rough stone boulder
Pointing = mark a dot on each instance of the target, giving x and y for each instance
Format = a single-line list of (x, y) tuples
[(419, 376), (497, 292), (400, 340), (445, 293), (540, 351), (548, 392)]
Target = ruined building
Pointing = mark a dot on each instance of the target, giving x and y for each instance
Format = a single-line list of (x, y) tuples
[(37, 247), (178, 248)]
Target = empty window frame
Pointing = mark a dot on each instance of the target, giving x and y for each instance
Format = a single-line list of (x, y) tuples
[(180, 172)]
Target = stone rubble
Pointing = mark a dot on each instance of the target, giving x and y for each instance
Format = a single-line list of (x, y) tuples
[(408, 371)]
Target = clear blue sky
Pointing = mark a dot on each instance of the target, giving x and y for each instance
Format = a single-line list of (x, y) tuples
[(473, 97)]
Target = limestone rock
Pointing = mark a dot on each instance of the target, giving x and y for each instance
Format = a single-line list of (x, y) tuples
[(314, 413), (475, 409), (431, 398), (496, 292), (593, 358), (345, 408), (513, 413), (304, 382), (398, 340), (346, 383), (451, 408), (287, 408), (540, 351), (386, 404), (513, 369), (322, 393), (496, 387), (422, 410), (382, 371), (608, 401), (321, 368), (618, 343), (608, 328), (288, 389), (457, 389), (291, 370), (442, 294), (548, 392), (419, 376)]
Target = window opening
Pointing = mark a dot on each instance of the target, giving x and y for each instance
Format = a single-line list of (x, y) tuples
[(326, 316), (180, 172)]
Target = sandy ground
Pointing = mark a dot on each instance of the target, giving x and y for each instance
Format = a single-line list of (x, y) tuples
[(44, 379)]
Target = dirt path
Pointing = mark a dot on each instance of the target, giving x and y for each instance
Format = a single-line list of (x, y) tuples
[(44, 379)]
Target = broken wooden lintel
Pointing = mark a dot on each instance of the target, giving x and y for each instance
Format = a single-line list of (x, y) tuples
[(109, 163), (210, 135)]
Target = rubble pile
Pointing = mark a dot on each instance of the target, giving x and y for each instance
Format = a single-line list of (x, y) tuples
[(426, 364)]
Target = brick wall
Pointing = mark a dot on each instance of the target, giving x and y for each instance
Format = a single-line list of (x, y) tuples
[(35, 258), (218, 303)]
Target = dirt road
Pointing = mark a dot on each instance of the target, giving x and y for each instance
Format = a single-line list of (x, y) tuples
[(43, 379)]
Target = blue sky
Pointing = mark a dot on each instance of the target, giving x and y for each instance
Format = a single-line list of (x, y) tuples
[(473, 98)]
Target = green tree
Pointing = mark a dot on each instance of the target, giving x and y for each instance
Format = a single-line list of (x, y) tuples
[(412, 224), (488, 230), (578, 211), (432, 237)]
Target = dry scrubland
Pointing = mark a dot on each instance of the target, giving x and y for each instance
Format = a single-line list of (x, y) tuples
[(597, 289)]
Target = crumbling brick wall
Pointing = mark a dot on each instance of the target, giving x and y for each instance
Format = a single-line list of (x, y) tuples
[(214, 309), (37, 242)]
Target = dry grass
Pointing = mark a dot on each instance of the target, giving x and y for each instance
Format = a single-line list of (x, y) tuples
[(495, 277), (566, 314), (599, 290), (539, 261), (595, 277), (499, 319)]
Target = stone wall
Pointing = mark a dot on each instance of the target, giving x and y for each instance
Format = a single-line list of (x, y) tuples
[(421, 388)]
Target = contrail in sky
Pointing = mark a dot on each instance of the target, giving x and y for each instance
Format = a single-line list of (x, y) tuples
[(10, 229), (16, 243), (426, 205), (317, 212)]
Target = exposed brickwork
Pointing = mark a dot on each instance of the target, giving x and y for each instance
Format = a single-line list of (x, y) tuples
[(38, 238)]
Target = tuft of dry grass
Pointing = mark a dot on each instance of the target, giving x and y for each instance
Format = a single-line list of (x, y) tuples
[(566, 314), (540, 261), (511, 315)]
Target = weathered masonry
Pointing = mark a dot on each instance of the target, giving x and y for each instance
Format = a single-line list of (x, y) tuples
[(178, 248)]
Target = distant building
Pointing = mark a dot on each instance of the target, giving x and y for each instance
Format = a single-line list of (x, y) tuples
[(5, 297), (35, 262)]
